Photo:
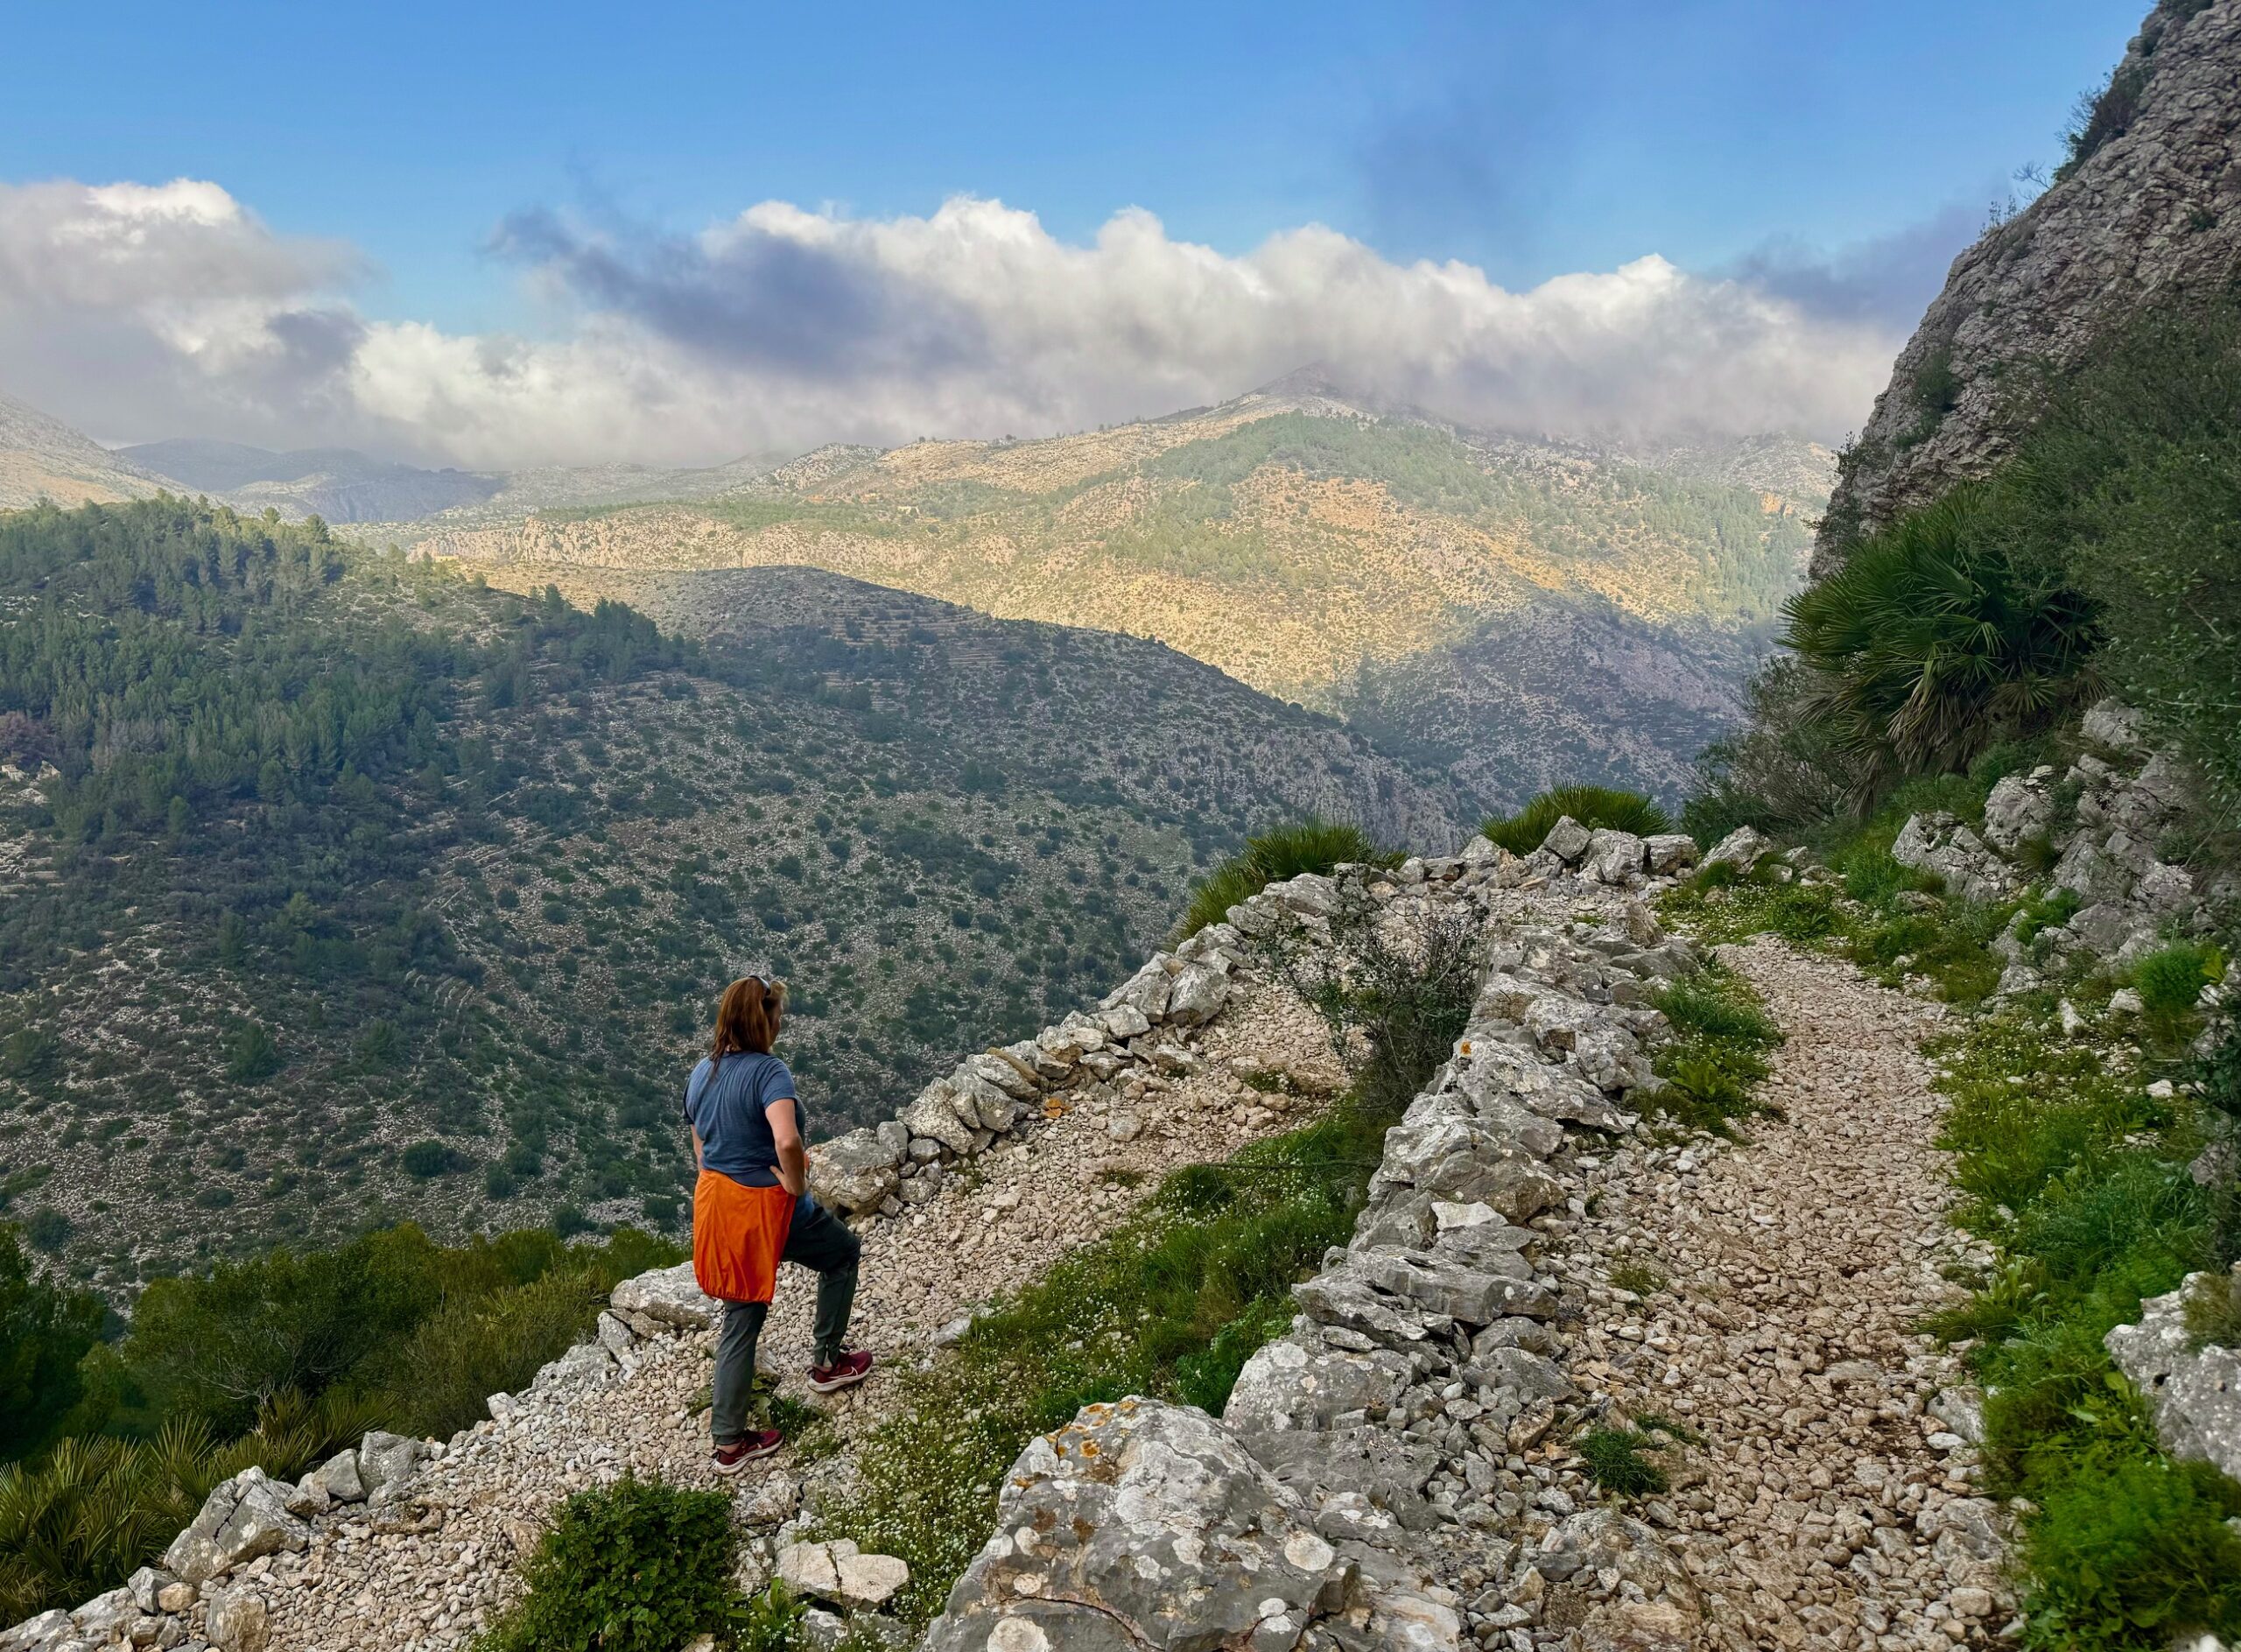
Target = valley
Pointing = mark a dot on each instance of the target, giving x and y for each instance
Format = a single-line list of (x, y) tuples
[(339, 890)]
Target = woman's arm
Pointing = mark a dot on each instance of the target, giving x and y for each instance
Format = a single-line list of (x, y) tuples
[(793, 1157)]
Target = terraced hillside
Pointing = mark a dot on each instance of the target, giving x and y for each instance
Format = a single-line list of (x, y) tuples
[(1316, 552), (335, 889)]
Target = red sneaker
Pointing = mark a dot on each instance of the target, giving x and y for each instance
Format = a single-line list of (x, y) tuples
[(845, 1372), (730, 1459)]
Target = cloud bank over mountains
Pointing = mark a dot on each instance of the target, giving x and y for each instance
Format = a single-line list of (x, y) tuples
[(144, 311)]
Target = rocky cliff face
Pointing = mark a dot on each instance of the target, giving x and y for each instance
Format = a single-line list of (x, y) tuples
[(2146, 217)]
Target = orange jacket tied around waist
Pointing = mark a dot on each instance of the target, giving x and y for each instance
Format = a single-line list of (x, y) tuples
[(739, 1234)]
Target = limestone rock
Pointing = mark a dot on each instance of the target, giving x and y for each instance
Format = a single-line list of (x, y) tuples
[(242, 1519), (1742, 848), (852, 1173), (238, 1621), (1669, 854), (1567, 840), (1143, 1525), (1197, 993), (1616, 857), (1938, 843), (338, 1477), (387, 1462), (1285, 1385), (933, 1117), (2020, 807), (668, 1297), (2194, 1397)]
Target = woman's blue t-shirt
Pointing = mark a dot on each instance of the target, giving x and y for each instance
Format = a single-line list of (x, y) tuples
[(725, 1107)]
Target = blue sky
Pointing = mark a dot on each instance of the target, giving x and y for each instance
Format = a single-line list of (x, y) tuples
[(1532, 139), (1528, 141)]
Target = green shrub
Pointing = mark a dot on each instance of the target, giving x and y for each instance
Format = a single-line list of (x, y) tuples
[(2135, 1553), (2169, 981), (1592, 806), (1931, 643), (1271, 857), (46, 1329), (639, 1566)]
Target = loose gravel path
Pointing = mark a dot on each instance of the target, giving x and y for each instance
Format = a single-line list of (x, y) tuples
[(1829, 1505)]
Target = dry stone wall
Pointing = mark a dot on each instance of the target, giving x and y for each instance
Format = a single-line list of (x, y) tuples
[(1359, 1450)]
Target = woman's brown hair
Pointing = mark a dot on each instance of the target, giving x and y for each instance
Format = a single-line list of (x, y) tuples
[(746, 1018)]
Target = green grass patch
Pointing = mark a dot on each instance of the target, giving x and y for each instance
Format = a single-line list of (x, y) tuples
[(2080, 1178), (1712, 1067), (2170, 981), (1592, 806), (1639, 1278)]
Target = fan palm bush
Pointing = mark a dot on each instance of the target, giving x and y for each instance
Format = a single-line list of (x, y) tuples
[(1312, 845), (1521, 833), (1932, 644)]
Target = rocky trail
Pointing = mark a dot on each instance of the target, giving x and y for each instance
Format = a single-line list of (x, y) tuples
[(1831, 1502)]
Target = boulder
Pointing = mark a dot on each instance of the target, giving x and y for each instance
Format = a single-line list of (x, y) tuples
[(101, 1618), (387, 1462), (339, 1478), (1144, 1526), (1310, 894), (1669, 854), (839, 1572), (1285, 1385), (2114, 726), (1014, 1078), (1939, 844), (667, 1296), (1321, 1465), (1441, 1284), (243, 1519), (852, 1173), (1616, 858), (2019, 808), (37, 1633), (1742, 848), (238, 1621), (1146, 992), (1197, 993), (1567, 840), (932, 1117)]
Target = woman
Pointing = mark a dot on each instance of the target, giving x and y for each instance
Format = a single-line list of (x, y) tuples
[(751, 1209)]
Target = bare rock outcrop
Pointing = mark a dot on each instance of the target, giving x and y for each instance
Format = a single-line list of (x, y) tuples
[(2150, 218)]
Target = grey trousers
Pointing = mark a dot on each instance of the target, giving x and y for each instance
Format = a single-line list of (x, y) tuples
[(818, 1240)]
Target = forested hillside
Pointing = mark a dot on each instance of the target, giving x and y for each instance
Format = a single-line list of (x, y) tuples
[(336, 888), (1312, 550)]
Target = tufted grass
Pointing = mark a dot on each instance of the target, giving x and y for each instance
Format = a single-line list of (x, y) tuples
[(1592, 806), (1312, 845)]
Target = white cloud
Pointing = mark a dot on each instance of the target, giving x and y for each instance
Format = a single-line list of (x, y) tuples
[(141, 311)]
